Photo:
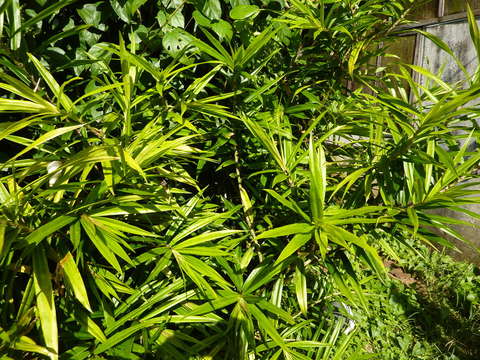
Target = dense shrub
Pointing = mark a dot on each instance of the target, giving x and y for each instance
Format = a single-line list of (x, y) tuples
[(199, 180)]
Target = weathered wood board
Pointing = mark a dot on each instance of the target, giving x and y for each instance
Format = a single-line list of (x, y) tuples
[(458, 6), (404, 48), (457, 36), (426, 11)]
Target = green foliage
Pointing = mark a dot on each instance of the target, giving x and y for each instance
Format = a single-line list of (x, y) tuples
[(195, 179), (428, 308)]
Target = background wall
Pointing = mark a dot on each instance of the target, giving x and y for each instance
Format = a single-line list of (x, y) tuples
[(447, 20)]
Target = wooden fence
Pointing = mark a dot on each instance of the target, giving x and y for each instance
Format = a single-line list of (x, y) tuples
[(447, 19)]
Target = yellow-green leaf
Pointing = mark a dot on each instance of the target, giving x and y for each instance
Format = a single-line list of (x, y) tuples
[(45, 301), (352, 60), (297, 228), (301, 288), (49, 228), (91, 327), (74, 280), (3, 227), (26, 344), (412, 215), (99, 242), (296, 243), (44, 138), (52, 84), (12, 105)]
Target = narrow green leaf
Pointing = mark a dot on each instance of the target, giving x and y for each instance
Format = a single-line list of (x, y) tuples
[(3, 228), (431, 76), (267, 141), (301, 288), (62, 35), (474, 35), (267, 325), (198, 278), (197, 225), (45, 301), (258, 43), (287, 203), (124, 334), (27, 300), (133, 164), (52, 83), (350, 179), (297, 228), (206, 271), (443, 45), (429, 166), (49, 228), (246, 258), (273, 308), (12, 105), (206, 237), (17, 87), (74, 280), (131, 208), (412, 215), (91, 327), (15, 19), (293, 245), (98, 90), (159, 290), (99, 242), (352, 60), (259, 276), (204, 251), (277, 291), (318, 178), (340, 283), (214, 305), (122, 226), (27, 345), (217, 55), (321, 238), (44, 138)]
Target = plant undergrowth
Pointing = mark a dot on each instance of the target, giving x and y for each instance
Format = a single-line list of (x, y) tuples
[(427, 308), (206, 179)]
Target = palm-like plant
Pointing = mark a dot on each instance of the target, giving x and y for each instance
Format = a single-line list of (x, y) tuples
[(115, 239)]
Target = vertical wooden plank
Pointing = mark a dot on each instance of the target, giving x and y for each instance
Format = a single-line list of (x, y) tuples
[(457, 37), (417, 60), (458, 6), (441, 8), (425, 11), (403, 47)]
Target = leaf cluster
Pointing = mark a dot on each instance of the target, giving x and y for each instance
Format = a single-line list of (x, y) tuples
[(198, 180)]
